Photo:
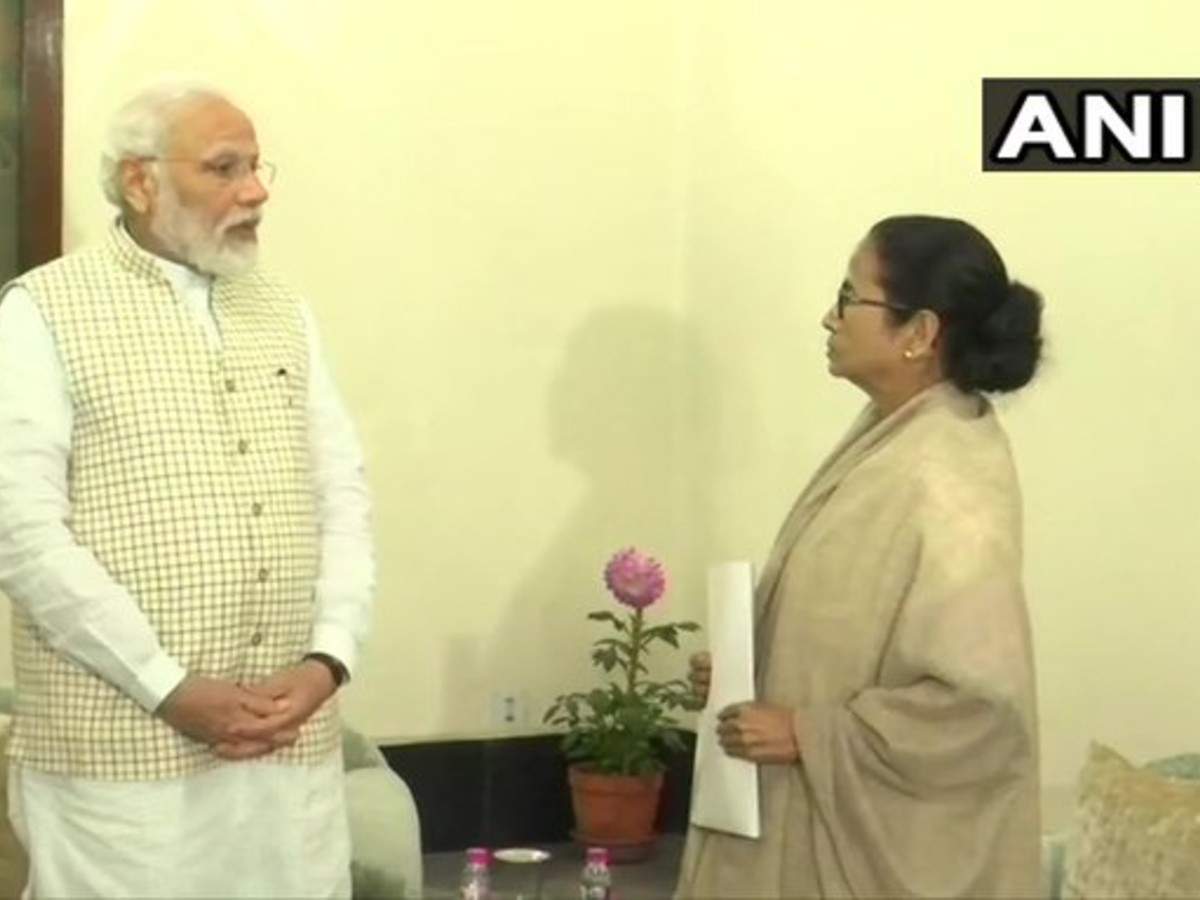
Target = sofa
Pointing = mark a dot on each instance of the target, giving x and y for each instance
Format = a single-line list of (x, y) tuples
[(1135, 831), (385, 832)]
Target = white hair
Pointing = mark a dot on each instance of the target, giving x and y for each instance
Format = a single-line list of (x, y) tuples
[(139, 128), (203, 247)]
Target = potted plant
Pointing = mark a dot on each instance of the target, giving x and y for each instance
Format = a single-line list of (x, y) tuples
[(618, 734)]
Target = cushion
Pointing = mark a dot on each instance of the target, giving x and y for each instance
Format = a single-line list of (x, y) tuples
[(1137, 832), (13, 863), (1185, 765)]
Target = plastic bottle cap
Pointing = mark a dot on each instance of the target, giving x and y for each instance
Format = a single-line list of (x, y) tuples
[(597, 855), (479, 855)]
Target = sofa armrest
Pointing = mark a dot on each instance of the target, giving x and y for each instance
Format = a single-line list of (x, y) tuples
[(385, 835), (358, 751), (1054, 859)]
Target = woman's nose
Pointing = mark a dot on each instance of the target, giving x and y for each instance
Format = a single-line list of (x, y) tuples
[(829, 320)]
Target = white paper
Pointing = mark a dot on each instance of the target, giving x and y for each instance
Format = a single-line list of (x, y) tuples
[(725, 790)]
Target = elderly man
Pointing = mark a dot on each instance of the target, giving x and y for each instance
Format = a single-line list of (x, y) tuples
[(184, 536)]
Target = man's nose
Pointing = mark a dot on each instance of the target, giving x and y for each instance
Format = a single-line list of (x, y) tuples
[(252, 191)]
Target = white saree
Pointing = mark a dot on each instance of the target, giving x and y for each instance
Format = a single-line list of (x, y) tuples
[(890, 617)]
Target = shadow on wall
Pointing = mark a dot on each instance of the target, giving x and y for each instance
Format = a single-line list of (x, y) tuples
[(638, 409), (615, 415), (622, 412)]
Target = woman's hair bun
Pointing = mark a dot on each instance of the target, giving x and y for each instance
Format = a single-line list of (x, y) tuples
[(1002, 351)]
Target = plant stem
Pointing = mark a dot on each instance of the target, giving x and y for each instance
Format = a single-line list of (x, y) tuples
[(636, 650)]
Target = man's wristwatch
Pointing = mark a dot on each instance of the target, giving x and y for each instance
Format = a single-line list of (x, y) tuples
[(336, 669)]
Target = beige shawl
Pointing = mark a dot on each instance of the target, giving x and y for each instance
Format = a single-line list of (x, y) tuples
[(890, 618)]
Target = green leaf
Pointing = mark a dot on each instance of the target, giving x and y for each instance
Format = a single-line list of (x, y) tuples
[(607, 617), (625, 726), (606, 658)]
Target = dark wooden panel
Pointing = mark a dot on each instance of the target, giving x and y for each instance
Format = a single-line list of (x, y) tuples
[(509, 791), (447, 783), (41, 134)]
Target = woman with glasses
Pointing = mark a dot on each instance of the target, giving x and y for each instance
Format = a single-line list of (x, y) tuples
[(895, 728)]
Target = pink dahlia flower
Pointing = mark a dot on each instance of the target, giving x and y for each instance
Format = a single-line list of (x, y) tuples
[(635, 579)]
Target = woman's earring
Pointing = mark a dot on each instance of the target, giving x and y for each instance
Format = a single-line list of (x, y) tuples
[(908, 354)]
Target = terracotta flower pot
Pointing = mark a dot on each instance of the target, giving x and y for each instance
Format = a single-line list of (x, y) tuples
[(615, 811)]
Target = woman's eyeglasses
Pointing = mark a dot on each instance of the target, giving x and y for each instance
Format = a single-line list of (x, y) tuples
[(846, 297)]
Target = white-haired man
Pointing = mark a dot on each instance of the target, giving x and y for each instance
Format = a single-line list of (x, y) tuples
[(184, 536)]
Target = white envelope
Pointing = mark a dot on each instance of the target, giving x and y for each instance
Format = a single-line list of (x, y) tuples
[(725, 790)]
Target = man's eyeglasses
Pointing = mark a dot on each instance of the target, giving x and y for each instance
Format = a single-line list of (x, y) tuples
[(227, 169), (846, 297)]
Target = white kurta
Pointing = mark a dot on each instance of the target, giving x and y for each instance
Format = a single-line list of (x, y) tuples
[(255, 829)]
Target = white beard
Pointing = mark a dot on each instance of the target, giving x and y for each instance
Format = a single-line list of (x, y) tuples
[(210, 251)]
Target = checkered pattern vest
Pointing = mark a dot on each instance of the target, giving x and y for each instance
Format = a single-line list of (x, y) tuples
[(190, 481)]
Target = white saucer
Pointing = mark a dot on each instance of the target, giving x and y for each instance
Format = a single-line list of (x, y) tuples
[(521, 855)]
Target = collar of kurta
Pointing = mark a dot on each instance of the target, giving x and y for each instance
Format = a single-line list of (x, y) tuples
[(140, 261)]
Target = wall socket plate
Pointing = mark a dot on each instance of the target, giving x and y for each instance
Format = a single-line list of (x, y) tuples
[(509, 709)]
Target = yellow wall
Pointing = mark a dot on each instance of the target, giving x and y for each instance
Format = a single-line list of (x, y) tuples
[(569, 260), (806, 123)]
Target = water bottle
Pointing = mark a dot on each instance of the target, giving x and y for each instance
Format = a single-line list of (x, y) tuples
[(475, 883), (595, 883)]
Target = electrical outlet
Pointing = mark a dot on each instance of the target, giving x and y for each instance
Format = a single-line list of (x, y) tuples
[(508, 709)]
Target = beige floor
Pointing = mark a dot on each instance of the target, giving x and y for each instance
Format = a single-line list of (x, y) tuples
[(653, 879)]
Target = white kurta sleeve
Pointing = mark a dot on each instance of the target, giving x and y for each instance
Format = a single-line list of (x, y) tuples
[(346, 580), (81, 611)]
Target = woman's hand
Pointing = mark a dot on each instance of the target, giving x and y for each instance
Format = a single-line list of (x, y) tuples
[(758, 732), (700, 675)]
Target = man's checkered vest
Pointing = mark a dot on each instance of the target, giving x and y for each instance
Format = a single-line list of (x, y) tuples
[(190, 481)]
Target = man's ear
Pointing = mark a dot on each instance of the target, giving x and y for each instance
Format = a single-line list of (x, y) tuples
[(138, 185)]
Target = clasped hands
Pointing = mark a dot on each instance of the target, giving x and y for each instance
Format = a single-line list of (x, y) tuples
[(242, 721), (754, 731)]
